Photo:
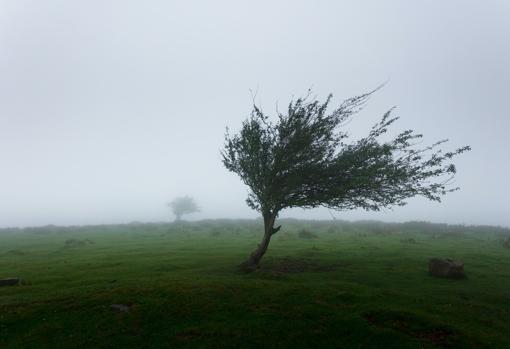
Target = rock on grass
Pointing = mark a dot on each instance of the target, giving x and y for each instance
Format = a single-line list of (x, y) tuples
[(9, 282), (446, 268)]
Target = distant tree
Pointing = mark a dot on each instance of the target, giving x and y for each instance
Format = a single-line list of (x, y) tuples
[(183, 205), (304, 159)]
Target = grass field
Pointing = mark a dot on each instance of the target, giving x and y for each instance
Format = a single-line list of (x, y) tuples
[(340, 285)]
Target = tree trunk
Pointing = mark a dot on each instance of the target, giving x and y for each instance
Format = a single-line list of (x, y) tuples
[(253, 261)]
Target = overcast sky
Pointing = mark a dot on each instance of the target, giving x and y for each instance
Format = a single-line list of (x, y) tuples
[(109, 109)]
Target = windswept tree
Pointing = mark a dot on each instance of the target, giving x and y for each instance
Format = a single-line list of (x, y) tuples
[(304, 158), (183, 205)]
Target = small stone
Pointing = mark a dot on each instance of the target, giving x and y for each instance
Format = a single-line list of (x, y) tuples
[(9, 282), (122, 308)]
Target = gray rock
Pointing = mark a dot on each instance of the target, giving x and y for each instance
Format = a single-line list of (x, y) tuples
[(122, 308), (9, 282), (446, 268)]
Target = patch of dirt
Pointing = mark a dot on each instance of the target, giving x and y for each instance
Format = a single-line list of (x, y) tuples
[(440, 335), (297, 265)]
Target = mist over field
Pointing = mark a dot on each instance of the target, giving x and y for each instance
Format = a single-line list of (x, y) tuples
[(176, 174), (108, 110)]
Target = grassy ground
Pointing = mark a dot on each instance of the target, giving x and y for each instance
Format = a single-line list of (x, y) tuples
[(353, 287)]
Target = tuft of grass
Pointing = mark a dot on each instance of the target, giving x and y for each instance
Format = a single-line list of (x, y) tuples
[(421, 329), (77, 243)]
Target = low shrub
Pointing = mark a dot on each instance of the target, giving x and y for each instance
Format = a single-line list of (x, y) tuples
[(305, 234)]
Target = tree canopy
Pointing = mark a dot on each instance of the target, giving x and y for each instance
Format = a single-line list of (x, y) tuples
[(183, 205), (305, 158)]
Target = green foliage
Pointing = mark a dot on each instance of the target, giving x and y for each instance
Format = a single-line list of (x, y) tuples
[(183, 205), (305, 159)]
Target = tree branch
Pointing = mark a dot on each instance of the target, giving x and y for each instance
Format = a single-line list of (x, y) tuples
[(276, 230)]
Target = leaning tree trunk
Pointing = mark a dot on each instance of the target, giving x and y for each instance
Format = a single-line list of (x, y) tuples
[(253, 261)]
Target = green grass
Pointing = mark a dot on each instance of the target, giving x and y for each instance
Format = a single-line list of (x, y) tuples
[(360, 288)]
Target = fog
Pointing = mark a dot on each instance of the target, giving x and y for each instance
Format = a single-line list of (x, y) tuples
[(109, 109)]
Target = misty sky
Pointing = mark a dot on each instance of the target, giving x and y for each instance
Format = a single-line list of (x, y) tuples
[(109, 109)]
